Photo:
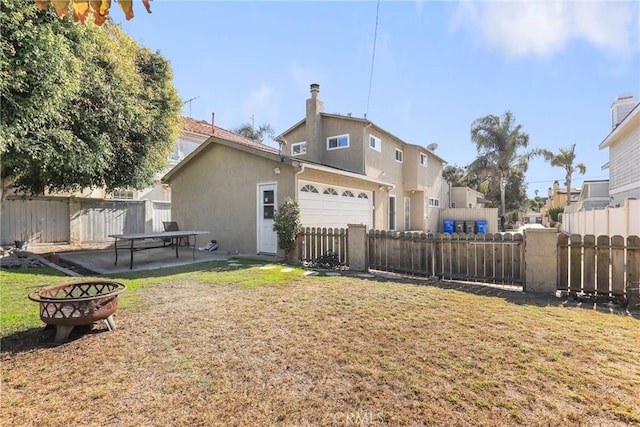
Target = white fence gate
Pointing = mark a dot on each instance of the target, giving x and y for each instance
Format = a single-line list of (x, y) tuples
[(35, 220)]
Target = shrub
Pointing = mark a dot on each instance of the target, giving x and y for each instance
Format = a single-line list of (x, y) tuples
[(287, 224), (554, 212)]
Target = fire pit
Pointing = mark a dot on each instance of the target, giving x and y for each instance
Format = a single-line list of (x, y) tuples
[(79, 303)]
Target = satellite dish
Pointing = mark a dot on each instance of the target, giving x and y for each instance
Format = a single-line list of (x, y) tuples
[(432, 147)]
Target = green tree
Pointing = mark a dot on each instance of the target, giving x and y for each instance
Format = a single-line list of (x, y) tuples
[(455, 175), (82, 106), (565, 159), (249, 131), (287, 224), (498, 141)]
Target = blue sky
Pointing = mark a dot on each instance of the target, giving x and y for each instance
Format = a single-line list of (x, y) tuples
[(438, 66)]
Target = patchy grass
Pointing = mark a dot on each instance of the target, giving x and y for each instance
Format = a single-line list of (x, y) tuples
[(249, 346)]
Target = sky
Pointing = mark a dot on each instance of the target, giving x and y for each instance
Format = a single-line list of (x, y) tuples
[(422, 70)]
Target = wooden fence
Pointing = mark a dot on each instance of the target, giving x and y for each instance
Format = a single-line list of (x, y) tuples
[(314, 243), (603, 266), (490, 258)]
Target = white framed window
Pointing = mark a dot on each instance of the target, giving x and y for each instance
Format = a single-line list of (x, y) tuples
[(337, 142), (298, 148), (375, 143), (363, 196), (331, 191), (348, 193), (122, 194), (309, 189), (423, 159), (434, 203), (399, 155)]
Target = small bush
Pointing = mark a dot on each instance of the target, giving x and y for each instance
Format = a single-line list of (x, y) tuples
[(287, 224)]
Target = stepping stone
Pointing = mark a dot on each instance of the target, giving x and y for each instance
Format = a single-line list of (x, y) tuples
[(333, 274), (256, 265), (234, 264), (366, 275), (267, 267), (310, 273), (286, 270)]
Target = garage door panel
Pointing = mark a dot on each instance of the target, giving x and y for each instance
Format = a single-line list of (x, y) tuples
[(333, 211)]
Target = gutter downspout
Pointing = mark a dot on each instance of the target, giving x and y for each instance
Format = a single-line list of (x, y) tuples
[(364, 147), (295, 181)]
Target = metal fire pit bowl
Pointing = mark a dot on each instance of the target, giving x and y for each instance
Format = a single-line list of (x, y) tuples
[(80, 303)]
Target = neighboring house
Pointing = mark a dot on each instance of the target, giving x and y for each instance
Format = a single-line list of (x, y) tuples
[(624, 153), (557, 197), (341, 170), (594, 195), (465, 197)]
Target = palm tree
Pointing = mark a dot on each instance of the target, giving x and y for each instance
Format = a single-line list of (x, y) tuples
[(497, 140), (564, 159)]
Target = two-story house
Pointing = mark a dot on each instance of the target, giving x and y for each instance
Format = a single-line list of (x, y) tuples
[(624, 150), (341, 170)]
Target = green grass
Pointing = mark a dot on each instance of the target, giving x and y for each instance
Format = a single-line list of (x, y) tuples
[(18, 313)]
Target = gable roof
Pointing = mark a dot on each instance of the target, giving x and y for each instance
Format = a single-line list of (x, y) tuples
[(203, 127), (612, 138), (365, 121)]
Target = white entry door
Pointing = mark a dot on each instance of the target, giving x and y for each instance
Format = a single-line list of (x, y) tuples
[(267, 204)]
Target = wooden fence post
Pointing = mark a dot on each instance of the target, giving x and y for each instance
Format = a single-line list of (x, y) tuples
[(633, 272), (357, 247), (541, 260)]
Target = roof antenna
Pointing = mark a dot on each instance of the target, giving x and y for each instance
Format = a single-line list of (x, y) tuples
[(190, 101)]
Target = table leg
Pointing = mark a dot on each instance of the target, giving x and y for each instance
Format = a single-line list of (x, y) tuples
[(195, 240), (115, 246), (131, 260), (177, 244)]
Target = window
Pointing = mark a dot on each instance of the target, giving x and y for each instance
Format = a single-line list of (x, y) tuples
[(392, 212), (348, 193), (309, 189), (434, 203), (375, 143), (298, 148), (330, 191), (398, 155), (122, 194), (363, 196), (423, 159), (336, 142)]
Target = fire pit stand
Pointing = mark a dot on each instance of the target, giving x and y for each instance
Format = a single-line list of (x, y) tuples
[(80, 303)]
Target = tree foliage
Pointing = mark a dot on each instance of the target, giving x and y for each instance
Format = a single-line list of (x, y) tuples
[(249, 131), (565, 159), (80, 9), (82, 106), (287, 224), (498, 141)]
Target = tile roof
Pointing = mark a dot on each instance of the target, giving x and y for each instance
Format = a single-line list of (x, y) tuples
[(205, 128)]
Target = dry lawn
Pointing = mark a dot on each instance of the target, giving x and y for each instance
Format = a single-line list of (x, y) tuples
[(330, 351)]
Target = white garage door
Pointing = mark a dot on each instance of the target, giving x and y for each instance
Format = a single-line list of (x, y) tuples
[(333, 207)]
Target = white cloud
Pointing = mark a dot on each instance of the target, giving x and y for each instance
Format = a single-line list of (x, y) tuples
[(303, 77), (261, 104), (542, 28)]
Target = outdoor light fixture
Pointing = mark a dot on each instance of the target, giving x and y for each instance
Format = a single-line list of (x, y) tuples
[(276, 171)]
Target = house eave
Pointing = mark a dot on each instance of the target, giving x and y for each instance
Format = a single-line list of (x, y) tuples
[(614, 135)]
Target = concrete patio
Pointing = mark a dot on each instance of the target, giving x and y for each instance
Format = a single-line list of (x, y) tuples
[(102, 261)]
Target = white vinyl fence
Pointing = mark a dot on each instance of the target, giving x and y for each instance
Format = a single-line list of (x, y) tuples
[(622, 221)]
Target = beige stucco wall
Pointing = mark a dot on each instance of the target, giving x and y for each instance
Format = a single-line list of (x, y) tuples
[(350, 158), (218, 193)]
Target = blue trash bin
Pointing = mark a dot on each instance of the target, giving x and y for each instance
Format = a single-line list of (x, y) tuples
[(448, 226), (481, 226)]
